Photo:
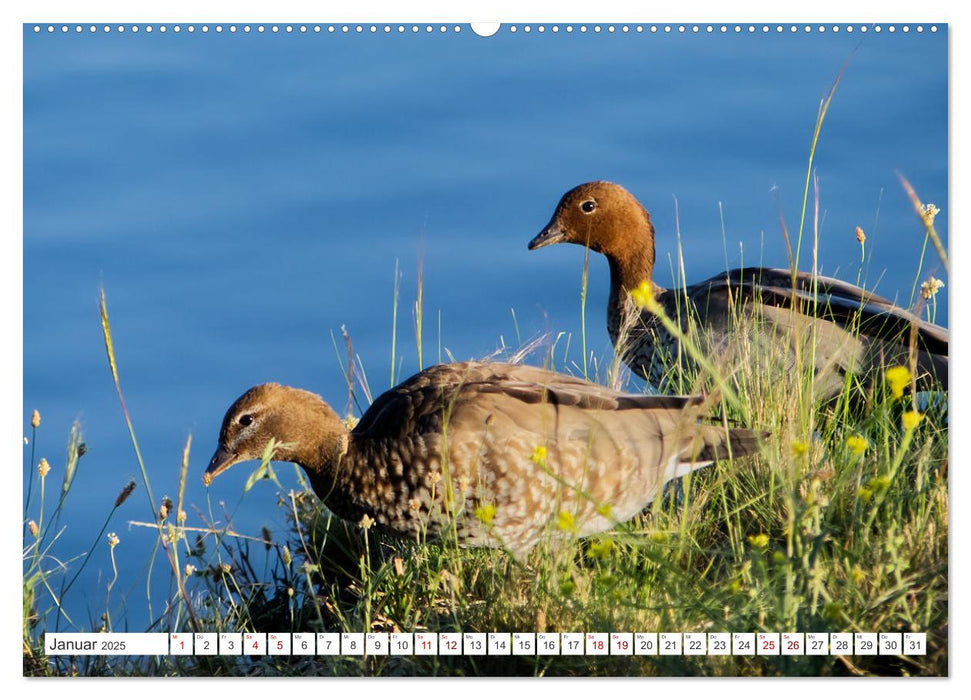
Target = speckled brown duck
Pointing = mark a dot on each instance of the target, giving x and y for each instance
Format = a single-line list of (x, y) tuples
[(512, 452), (846, 329)]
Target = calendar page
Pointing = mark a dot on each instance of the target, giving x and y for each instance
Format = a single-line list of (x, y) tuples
[(439, 349)]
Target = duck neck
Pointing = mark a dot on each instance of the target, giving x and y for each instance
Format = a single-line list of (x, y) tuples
[(321, 447), (626, 274), (628, 269)]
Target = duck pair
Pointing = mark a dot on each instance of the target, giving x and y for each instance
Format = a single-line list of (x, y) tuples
[(506, 455)]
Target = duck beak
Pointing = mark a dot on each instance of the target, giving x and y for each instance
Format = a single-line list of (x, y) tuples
[(220, 462), (553, 233)]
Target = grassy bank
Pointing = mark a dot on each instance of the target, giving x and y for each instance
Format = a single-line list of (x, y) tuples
[(841, 524)]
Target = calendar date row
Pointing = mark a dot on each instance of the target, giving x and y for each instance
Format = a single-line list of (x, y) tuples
[(489, 643)]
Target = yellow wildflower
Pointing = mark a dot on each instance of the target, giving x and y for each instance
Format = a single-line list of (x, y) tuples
[(864, 494), (486, 513), (898, 377), (605, 509), (539, 455), (366, 522), (113, 540), (566, 521), (35, 418), (643, 296), (600, 549), (856, 573), (43, 468), (879, 483), (759, 541), (911, 419), (799, 447), (857, 444)]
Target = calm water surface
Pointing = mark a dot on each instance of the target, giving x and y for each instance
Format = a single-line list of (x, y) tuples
[(241, 197)]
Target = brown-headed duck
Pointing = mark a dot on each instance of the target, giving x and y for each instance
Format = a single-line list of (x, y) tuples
[(842, 328), (508, 453)]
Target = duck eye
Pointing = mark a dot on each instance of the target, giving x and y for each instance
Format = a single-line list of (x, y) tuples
[(245, 419), (588, 206)]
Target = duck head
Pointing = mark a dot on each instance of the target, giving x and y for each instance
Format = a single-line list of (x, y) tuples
[(601, 215), (306, 430)]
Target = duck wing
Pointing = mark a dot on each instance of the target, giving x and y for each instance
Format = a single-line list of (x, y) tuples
[(431, 391), (846, 304), (427, 398)]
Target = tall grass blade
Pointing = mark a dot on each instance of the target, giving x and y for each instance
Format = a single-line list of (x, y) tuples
[(113, 365)]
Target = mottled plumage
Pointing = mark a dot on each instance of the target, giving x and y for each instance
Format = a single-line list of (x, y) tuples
[(841, 326), (505, 449)]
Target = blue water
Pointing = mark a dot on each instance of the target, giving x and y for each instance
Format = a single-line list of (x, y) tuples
[(240, 197)]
